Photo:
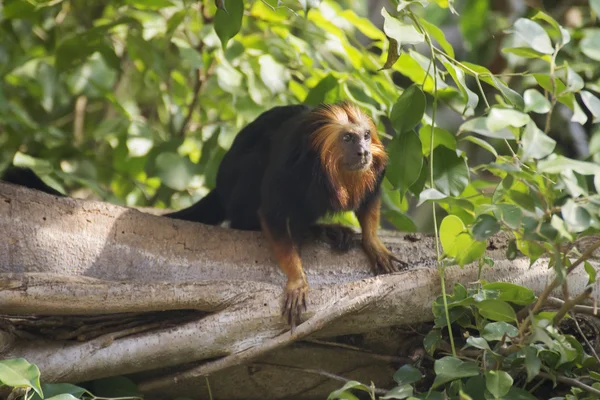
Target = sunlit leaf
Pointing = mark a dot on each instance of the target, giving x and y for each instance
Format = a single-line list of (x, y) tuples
[(592, 103), (535, 143), (498, 382), (19, 373), (438, 35), (536, 102), (533, 34), (403, 33), (590, 44)]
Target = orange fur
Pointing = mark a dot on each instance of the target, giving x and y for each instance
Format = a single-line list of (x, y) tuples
[(337, 119)]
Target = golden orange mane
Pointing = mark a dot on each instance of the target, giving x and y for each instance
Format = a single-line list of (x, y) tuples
[(333, 120)]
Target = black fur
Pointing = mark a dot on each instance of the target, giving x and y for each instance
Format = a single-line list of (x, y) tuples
[(26, 177), (271, 167)]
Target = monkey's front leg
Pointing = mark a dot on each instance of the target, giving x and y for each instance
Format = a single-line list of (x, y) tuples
[(295, 293), (381, 258)]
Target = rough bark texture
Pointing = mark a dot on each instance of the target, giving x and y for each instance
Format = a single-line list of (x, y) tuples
[(65, 264)]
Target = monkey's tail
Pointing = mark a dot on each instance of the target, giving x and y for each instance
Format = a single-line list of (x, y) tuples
[(26, 177), (208, 210)]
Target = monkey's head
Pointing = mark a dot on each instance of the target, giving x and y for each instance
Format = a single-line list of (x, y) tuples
[(346, 139)]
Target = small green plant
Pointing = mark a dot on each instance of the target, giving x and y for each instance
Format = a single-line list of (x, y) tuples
[(24, 378), (493, 340)]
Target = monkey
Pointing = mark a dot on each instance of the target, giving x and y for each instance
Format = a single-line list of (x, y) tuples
[(291, 166), (285, 170)]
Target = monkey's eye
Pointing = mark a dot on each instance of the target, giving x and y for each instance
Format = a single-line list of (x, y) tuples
[(367, 135), (347, 137)]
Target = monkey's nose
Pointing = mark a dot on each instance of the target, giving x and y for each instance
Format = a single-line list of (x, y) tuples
[(362, 153)]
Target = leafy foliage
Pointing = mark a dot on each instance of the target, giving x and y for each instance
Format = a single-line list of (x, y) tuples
[(138, 101)]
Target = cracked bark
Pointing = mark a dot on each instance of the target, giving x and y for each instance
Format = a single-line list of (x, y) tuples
[(68, 258)]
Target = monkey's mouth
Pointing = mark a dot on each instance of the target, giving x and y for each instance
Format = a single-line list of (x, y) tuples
[(360, 164)]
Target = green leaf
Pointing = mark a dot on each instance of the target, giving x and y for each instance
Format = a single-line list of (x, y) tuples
[(401, 221), (498, 382), (448, 369), (495, 331), (19, 373), (558, 164), (317, 94), (574, 81), (432, 339), (407, 374), (532, 362), (408, 110), (513, 293), (405, 162), (228, 20), (63, 396), (511, 250), (450, 228), (150, 4), (174, 170), (273, 74), (478, 342), (458, 243), (471, 99), (500, 118), (53, 390), (344, 393), (565, 37), (450, 172), (526, 52), (479, 125), (536, 102), (535, 143), (440, 137), (592, 103), (484, 227), (438, 35), (591, 271), (482, 143), (595, 4), (497, 310), (400, 31), (533, 34), (430, 194), (399, 392), (577, 218), (590, 44)]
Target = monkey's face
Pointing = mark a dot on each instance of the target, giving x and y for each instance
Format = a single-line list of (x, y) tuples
[(356, 145)]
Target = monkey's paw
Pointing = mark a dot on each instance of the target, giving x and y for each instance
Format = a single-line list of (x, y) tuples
[(382, 259), (294, 302)]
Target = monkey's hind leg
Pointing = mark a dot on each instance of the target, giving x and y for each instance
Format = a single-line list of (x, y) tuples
[(339, 237), (296, 290)]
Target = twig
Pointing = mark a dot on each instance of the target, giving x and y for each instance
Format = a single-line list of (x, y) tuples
[(554, 284), (329, 375), (569, 304), (318, 321), (197, 86), (571, 381), (376, 356), (588, 310), (79, 120), (592, 349)]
